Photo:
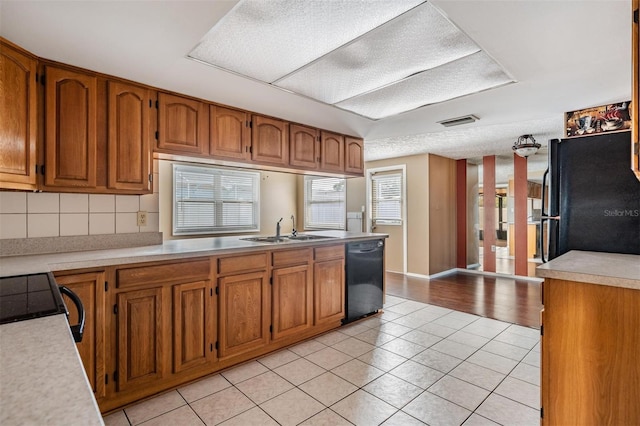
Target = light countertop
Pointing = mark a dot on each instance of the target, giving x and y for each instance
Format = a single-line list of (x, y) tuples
[(42, 381), (611, 269), (169, 250)]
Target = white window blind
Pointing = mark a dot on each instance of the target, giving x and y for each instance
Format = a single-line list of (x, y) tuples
[(387, 199), (209, 200), (324, 203)]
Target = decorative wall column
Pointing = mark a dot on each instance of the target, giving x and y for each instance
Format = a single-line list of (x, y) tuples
[(489, 202)]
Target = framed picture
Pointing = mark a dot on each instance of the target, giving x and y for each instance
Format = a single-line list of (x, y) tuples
[(597, 120)]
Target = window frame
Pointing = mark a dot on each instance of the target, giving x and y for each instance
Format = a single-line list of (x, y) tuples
[(326, 226), (387, 221), (216, 200)]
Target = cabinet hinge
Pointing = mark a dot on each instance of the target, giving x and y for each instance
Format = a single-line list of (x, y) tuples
[(271, 280), (115, 376), (211, 292), (217, 346), (542, 330), (157, 134), (157, 104), (635, 16), (150, 103), (271, 328), (42, 79), (106, 379), (150, 177), (115, 309), (36, 77), (251, 149), (217, 292), (106, 286), (251, 124), (41, 170), (542, 412)]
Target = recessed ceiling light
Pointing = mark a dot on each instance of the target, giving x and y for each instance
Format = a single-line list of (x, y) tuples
[(375, 58)]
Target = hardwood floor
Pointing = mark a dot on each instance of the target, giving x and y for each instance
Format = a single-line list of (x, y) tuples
[(504, 299)]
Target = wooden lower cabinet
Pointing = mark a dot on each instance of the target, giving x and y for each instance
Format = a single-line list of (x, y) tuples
[(590, 367), (292, 295), (91, 290), (244, 311), (328, 280), (143, 338)]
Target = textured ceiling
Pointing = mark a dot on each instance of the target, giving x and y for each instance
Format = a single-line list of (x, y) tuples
[(564, 55)]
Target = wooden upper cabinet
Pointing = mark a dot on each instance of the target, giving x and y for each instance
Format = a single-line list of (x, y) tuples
[(635, 96), (332, 152), (304, 146), (128, 142), (229, 134), (183, 125), (354, 153), (269, 140), (18, 123), (70, 128)]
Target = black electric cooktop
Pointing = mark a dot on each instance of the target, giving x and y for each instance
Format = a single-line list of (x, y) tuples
[(29, 296)]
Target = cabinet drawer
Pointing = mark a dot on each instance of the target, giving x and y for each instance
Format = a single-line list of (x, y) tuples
[(152, 274), (291, 257), (329, 252), (249, 262)]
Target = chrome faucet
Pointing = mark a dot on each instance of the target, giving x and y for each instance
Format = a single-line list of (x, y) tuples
[(278, 229), (294, 231)]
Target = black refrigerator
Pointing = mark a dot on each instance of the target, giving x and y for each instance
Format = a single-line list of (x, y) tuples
[(594, 197)]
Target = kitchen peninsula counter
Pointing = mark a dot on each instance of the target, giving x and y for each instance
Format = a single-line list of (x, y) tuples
[(609, 269), (169, 250)]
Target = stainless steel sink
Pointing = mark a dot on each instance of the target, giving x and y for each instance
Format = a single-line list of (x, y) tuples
[(285, 238), (306, 237), (266, 239)]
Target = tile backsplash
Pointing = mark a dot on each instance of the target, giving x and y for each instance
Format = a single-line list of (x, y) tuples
[(45, 214)]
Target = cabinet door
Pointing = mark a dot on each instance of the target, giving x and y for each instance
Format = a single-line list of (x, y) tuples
[(292, 295), (269, 140), (70, 129), (18, 110), (193, 325), (635, 94), (243, 313), (304, 146), (90, 288), (328, 285), (142, 337), (354, 150), (230, 135), (128, 143), (182, 125), (332, 152)]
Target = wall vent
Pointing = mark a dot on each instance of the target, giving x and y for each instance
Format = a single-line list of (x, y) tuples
[(458, 121)]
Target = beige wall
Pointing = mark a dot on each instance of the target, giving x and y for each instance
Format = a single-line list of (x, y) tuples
[(278, 196)]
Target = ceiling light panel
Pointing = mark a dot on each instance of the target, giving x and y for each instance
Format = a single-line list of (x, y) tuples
[(465, 76), (416, 41), (267, 40)]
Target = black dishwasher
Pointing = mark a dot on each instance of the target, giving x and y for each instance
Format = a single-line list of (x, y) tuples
[(365, 274)]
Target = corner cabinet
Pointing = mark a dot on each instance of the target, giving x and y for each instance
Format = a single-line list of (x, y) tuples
[(635, 96), (269, 140), (18, 126), (590, 340), (70, 143), (128, 148), (183, 125)]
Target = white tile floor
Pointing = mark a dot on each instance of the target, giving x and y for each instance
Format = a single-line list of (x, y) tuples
[(414, 364)]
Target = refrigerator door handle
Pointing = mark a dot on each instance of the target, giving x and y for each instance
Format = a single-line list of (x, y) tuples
[(543, 216)]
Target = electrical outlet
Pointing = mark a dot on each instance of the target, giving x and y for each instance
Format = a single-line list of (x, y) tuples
[(493, 248), (142, 218)]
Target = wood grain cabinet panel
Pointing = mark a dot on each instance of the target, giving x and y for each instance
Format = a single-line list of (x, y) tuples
[(328, 289), (269, 140), (142, 338), (18, 123), (128, 142), (590, 365), (354, 153), (193, 325), (70, 128), (332, 152), (244, 313), (292, 301), (304, 147), (183, 125), (229, 135), (91, 290)]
